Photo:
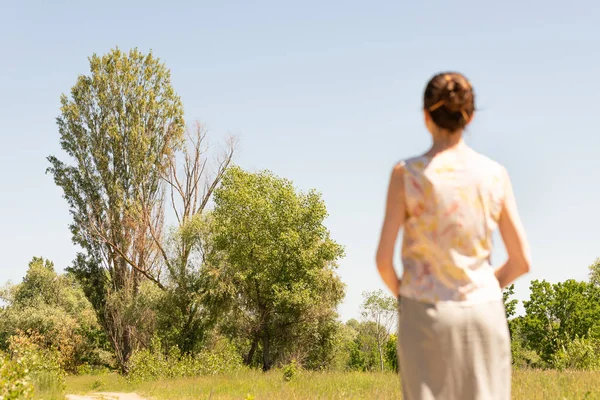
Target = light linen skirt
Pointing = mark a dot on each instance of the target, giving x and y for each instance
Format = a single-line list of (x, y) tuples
[(454, 351)]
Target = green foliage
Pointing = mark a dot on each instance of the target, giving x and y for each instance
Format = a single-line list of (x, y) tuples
[(579, 354), (381, 310), (364, 352), (291, 371), (363, 349), (134, 313), (559, 313), (183, 318), (153, 363), (41, 363), (119, 126), (342, 343), (391, 353), (271, 263), (55, 307), (510, 304), (523, 357), (14, 380)]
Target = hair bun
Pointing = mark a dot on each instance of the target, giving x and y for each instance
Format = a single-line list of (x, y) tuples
[(457, 93), (450, 101)]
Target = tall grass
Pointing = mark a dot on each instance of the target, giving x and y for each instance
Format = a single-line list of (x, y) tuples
[(527, 385), (47, 387)]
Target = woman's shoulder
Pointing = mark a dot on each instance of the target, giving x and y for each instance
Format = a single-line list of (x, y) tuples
[(414, 163), (487, 164)]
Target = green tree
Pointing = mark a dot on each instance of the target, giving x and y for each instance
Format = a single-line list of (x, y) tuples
[(56, 308), (364, 353), (183, 319), (272, 263), (381, 309), (344, 342), (559, 313), (119, 127), (391, 352)]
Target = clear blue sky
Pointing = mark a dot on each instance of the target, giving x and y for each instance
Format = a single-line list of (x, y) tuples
[(327, 94)]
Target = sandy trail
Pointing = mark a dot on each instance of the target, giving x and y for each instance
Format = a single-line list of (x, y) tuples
[(105, 396)]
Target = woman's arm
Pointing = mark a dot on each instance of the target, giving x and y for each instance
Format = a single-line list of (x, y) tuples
[(394, 219), (513, 235)]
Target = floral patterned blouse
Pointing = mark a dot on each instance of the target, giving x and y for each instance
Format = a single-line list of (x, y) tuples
[(453, 204)]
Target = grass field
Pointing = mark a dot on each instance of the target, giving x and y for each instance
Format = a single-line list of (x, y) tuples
[(527, 385)]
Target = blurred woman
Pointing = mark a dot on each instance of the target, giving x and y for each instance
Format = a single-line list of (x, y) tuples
[(453, 339)]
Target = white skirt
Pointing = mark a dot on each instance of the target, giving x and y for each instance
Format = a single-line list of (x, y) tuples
[(454, 351)]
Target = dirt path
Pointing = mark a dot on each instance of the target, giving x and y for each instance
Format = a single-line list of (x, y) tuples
[(106, 396)]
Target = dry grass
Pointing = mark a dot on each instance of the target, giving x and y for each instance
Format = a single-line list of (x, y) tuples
[(527, 385)]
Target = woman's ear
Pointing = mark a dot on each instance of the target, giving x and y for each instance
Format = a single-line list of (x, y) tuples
[(427, 116), (471, 119)]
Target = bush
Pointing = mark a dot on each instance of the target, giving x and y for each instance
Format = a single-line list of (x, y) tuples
[(523, 357), (43, 364), (291, 370), (391, 353), (86, 369), (579, 354), (54, 306), (153, 363), (14, 381)]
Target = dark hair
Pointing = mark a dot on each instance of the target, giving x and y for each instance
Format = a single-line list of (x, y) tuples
[(450, 100)]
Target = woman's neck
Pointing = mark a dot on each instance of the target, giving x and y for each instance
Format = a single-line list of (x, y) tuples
[(447, 142)]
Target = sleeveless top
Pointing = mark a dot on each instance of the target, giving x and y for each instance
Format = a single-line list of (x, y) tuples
[(453, 204)]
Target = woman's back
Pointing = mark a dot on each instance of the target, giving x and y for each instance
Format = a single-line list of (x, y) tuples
[(453, 339), (453, 204)]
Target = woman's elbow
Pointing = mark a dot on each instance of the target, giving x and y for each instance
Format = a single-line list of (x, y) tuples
[(524, 265)]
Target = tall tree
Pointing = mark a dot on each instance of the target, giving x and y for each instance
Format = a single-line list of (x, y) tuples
[(272, 261), (192, 177), (380, 309), (119, 127)]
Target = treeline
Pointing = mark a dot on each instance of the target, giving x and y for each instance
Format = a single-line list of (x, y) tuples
[(247, 258), (561, 325), (190, 265), (48, 328), (48, 323), (181, 252)]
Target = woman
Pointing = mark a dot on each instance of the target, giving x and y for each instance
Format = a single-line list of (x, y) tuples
[(453, 340)]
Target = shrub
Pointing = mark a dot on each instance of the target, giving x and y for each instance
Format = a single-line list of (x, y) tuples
[(291, 370), (391, 353), (14, 382), (54, 306), (579, 354), (87, 369), (43, 364), (523, 357), (153, 363)]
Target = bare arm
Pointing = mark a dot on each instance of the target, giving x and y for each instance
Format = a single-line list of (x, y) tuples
[(513, 235), (394, 219)]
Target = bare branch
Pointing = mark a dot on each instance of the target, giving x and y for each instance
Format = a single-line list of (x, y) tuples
[(223, 165), (128, 260), (156, 237)]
